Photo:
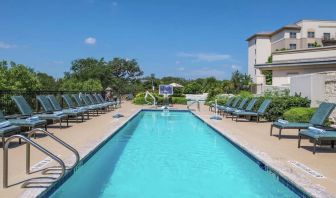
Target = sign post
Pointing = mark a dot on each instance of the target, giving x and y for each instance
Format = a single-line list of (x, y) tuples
[(166, 90)]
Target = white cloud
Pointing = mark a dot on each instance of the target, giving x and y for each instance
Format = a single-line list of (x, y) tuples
[(90, 41), (210, 57), (181, 69), (235, 67), (4, 45)]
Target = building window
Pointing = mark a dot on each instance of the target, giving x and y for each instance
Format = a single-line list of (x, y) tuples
[(292, 46), (326, 36), (311, 45), (311, 34), (292, 35)]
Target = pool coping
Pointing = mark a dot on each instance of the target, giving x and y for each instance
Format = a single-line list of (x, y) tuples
[(89, 151)]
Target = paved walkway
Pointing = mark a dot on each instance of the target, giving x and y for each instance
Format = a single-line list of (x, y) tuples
[(254, 137)]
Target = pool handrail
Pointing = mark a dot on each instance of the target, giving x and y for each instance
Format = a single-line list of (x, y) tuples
[(28, 143)]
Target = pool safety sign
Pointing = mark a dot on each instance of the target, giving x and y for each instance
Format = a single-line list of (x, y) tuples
[(166, 90)]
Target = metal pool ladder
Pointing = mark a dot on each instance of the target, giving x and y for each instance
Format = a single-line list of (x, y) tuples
[(39, 147)]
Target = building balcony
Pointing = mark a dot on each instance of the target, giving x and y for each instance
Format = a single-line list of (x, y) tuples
[(302, 57)]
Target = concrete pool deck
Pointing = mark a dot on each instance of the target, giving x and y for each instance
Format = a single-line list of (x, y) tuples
[(254, 137)]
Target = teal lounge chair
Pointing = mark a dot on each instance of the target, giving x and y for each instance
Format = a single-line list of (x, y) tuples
[(248, 108), (7, 128), (228, 111), (32, 119), (110, 102), (318, 119), (93, 101), (68, 101), (227, 104), (318, 136), (80, 103), (50, 113), (70, 112), (234, 105), (261, 111), (100, 101)]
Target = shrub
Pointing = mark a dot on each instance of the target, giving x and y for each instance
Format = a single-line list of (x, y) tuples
[(299, 114), (140, 99), (280, 105), (179, 100), (245, 94)]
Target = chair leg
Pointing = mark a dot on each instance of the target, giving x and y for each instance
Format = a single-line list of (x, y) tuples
[(299, 142), (280, 133), (68, 121), (271, 130), (3, 142), (314, 147), (60, 124), (332, 144)]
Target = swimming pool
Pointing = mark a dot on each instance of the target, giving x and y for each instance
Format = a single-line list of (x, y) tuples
[(171, 154)]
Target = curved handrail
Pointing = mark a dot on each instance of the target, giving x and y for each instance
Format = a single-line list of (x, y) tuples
[(149, 94), (29, 142), (33, 131)]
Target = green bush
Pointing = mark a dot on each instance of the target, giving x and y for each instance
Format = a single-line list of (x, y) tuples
[(281, 104), (299, 114), (179, 100), (245, 94), (139, 99)]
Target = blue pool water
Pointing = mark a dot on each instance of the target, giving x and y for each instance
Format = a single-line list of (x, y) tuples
[(170, 155)]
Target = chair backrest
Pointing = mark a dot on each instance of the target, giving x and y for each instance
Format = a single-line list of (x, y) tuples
[(45, 103), (68, 101), (251, 104), (54, 102), (78, 100), (98, 99), (235, 102), (101, 98), (92, 100), (229, 101), (242, 103), (86, 100), (263, 107), (2, 116), (322, 113), (23, 105)]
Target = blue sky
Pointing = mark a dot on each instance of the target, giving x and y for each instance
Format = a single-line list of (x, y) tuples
[(186, 38)]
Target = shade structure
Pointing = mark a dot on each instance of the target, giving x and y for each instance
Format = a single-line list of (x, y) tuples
[(175, 85)]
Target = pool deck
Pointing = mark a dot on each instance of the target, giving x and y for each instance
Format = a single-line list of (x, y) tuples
[(253, 137)]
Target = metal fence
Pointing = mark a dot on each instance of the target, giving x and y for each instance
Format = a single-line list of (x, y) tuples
[(8, 106)]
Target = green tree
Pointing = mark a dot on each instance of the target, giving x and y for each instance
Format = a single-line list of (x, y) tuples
[(47, 82), (193, 88), (20, 77)]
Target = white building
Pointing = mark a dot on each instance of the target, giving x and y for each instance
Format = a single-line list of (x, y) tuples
[(305, 47)]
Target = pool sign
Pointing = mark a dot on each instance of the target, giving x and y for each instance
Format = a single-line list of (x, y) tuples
[(166, 90)]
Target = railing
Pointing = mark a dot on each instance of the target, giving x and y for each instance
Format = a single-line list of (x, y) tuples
[(9, 107), (149, 94), (34, 131), (28, 143)]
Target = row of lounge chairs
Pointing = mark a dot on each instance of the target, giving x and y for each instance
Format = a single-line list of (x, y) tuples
[(315, 130), (78, 105), (234, 108)]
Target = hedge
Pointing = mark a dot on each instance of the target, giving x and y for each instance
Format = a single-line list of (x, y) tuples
[(281, 104), (140, 99), (299, 114)]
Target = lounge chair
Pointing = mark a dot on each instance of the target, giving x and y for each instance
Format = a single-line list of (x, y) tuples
[(234, 105), (318, 119), (7, 128), (50, 114), (79, 102), (318, 135), (94, 101), (70, 112), (260, 112), (229, 111), (227, 104), (100, 101), (71, 105), (31, 119), (248, 108), (111, 102)]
